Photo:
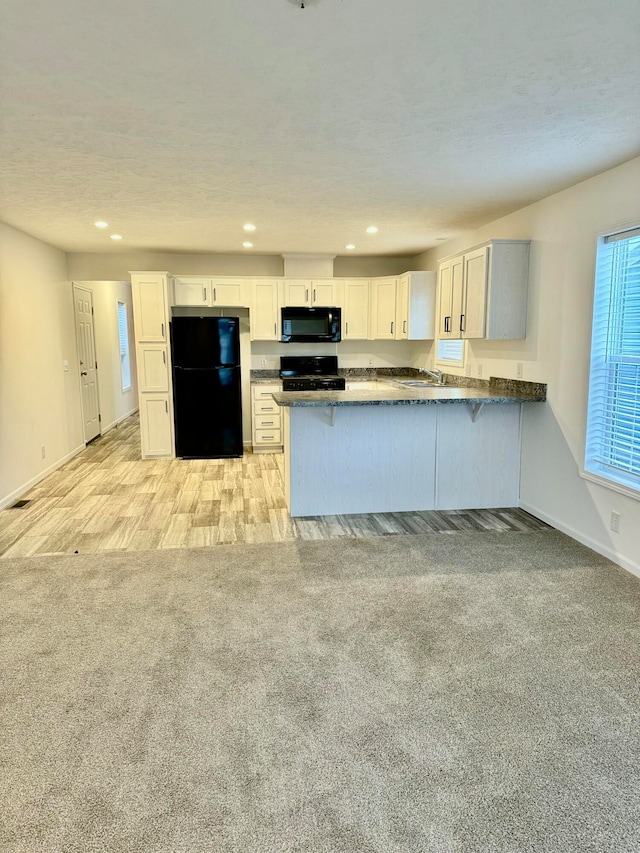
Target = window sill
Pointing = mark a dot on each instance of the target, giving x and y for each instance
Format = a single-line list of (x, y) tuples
[(629, 491)]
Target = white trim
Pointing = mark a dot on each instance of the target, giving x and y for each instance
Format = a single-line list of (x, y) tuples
[(614, 486), (13, 496), (629, 565), (119, 420)]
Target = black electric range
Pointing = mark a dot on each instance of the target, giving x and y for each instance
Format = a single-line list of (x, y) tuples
[(310, 373)]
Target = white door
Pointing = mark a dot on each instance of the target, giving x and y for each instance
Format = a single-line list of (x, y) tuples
[(85, 337)]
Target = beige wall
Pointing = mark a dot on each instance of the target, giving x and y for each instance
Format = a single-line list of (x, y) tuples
[(563, 229), (39, 401), (116, 265)]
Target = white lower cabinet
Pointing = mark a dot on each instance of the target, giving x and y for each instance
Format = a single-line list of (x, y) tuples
[(155, 425), (266, 418)]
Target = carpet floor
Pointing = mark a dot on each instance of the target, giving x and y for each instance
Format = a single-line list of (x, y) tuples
[(471, 692)]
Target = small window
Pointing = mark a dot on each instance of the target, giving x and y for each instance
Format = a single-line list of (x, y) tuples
[(613, 421), (450, 351), (123, 335)]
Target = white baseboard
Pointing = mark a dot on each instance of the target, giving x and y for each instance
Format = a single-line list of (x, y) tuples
[(15, 495), (105, 429), (620, 560)]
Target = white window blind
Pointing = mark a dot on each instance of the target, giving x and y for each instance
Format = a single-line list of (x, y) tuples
[(123, 335), (613, 424), (451, 350)]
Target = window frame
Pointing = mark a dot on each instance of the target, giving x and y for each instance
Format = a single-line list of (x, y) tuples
[(124, 353), (588, 468)]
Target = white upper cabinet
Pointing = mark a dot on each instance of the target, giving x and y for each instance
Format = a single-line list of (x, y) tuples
[(383, 309), (416, 306), (196, 291), (230, 292), (308, 293), (192, 291), (150, 307), (483, 293), (265, 310), (355, 312)]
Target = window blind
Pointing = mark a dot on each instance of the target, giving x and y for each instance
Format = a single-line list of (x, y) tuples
[(123, 335), (450, 349), (613, 423)]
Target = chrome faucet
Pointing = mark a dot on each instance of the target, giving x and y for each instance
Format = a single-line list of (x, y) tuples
[(435, 374)]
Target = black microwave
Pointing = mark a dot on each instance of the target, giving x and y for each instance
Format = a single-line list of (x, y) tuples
[(311, 325)]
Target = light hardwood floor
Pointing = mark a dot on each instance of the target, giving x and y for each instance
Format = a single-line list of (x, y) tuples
[(107, 498)]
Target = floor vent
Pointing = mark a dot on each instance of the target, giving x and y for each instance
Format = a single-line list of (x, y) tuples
[(19, 504)]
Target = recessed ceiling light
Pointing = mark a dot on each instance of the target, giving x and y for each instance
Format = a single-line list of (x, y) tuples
[(116, 236), (372, 229), (249, 227), (248, 245), (101, 224), (349, 246)]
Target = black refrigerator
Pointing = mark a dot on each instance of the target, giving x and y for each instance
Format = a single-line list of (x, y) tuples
[(206, 386)]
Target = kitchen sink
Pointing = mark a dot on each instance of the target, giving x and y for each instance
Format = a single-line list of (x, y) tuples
[(418, 383)]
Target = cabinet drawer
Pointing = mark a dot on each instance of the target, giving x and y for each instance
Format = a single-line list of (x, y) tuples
[(268, 422), (267, 436), (264, 392), (265, 407)]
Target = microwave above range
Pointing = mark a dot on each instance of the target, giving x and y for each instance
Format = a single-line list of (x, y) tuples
[(311, 325)]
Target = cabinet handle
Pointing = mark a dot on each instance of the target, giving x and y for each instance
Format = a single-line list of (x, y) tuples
[(275, 329), (462, 328), (164, 357), (268, 436), (404, 326), (446, 323), (346, 328), (204, 294), (267, 423), (306, 295), (314, 294), (215, 298), (162, 329), (392, 327), (166, 407)]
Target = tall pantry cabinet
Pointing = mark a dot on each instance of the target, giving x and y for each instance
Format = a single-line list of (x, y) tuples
[(151, 315)]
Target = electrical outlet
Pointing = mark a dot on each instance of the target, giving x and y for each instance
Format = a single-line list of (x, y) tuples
[(370, 361), (479, 370), (615, 522), (263, 362), (519, 370), (43, 450)]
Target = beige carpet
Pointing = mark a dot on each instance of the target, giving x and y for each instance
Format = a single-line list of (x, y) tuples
[(469, 692)]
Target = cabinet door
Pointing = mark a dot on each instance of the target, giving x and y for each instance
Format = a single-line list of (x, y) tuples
[(153, 368), (150, 308), (227, 292), (355, 318), (402, 308), (155, 425), (450, 298), (264, 320), (192, 291), (297, 292), (323, 293), (472, 321), (383, 309)]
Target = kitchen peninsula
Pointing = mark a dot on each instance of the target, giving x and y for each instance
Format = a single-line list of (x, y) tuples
[(388, 448)]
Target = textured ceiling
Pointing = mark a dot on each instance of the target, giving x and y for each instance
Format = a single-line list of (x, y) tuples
[(178, 122)]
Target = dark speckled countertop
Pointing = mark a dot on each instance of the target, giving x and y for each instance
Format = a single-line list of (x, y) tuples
[(384, 392)]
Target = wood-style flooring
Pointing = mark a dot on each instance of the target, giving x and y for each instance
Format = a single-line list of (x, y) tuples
[(107, 498)]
